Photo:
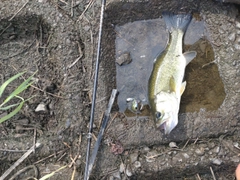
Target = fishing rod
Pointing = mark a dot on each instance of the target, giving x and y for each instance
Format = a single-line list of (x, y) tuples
[(89, 136)]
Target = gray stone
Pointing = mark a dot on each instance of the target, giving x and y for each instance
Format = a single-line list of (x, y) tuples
[(186, 155), (137, 164), (117, 175), (200, 151), (217, 161), (122, 168), (133, 157), (41, 107), (173, 145), (237, 24), (128, 171), (232, 37), (124, 58)]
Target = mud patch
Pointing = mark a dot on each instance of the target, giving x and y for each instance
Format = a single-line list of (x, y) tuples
[(205, 88)]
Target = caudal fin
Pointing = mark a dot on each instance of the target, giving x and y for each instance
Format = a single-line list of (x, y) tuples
[(176, 21)]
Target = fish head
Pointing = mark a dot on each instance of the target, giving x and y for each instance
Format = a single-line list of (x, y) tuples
[(134, 105), (166, 114)]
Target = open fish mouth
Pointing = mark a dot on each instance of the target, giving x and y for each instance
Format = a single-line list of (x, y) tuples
[(162, 125)]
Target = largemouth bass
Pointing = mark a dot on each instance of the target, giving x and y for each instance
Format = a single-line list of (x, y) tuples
[(166, 81)]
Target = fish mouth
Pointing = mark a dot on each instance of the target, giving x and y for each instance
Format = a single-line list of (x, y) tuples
[(162, 125)]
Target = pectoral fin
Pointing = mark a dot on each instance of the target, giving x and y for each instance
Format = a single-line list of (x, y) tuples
[(183, 86), (189, 56), (172, 84)]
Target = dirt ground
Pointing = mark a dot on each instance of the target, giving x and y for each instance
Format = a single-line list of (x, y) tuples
[(58, 40)]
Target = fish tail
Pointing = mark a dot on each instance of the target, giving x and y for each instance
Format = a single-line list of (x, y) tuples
[(176, 21)]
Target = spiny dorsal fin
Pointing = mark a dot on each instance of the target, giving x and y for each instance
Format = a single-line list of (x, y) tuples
[(189, 56)]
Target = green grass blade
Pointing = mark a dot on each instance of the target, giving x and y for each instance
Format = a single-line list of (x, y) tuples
[(19, 89), (8, 107), (4, 85), (11, 114)]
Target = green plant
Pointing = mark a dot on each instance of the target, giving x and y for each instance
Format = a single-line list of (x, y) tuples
[(15, 94)]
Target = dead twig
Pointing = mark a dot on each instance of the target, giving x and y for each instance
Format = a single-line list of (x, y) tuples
[(50, 156), (34, 139), (18, 10), (23, 51), (64, 2), (15, 151), (5, 29), (156, 155), (88, 6), (160, 154), (195, 141), (25, 169), (61, 156), (186, 144), (74, 172), (72, 5), (213, 175), (115, 115), (207, 64), (19, 161), (100, 122), (71, 65), (198, 177)]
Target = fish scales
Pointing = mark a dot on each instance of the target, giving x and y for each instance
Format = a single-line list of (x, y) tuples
[(166, 81)]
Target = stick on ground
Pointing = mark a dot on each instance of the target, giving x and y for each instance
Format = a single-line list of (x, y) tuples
[(102, 129), (19, 161)]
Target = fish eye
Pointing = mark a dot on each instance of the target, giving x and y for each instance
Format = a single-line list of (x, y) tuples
[(158, 115)]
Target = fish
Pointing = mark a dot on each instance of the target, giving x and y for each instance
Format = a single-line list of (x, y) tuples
[(166, 85), (134, 105)]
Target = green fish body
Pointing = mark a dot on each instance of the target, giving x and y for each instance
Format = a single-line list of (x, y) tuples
[(166, 81)]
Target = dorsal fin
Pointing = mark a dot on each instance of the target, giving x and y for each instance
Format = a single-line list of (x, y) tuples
[(189, 56)]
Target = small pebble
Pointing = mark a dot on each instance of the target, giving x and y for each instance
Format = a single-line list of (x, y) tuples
[(235, 159), (133, 157), (237, 46), (217, 161), (67, 123), (137, 164), (122, 168), (117, 175), (237, 24), (94, 126), (86, 28), (235, 144), (41, 107), (216, 150), (146, 149), (232, 37), (186, 155), (124, 59), (111, 178), (128, 171), (173, 145), (200, 151)]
